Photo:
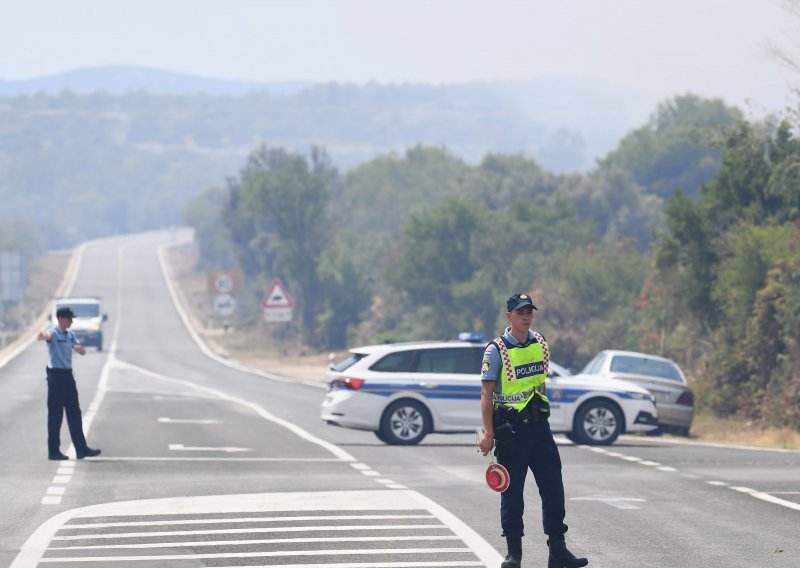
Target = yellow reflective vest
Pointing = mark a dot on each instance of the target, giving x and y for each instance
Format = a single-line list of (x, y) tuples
[(522, 375)]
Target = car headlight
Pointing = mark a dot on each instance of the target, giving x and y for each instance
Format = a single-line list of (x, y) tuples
[(642, 396), (95, 327)]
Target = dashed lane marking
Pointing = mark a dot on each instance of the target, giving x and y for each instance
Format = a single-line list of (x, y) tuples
[(356, 529), (764, 496)]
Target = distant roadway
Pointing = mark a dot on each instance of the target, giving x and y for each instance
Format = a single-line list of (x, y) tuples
[(204, 464)]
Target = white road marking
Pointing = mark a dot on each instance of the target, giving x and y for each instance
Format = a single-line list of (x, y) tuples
[(300, 432), (61, 479), (250, 530), (270, 554), (164, 420), (775, 500), (618, 502), (764, 496), (194, 543), (381, 502), (249, 519), (207, 458), (227, 449)]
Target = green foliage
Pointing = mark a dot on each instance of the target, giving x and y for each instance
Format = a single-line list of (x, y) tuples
[(733, 257), (345, 287), (276, 217), (436, 256), (422, 246), (588, 298), (203, 214), (687, 252), (673, 151)]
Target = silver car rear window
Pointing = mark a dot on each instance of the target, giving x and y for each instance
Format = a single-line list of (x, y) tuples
[(643, 366)]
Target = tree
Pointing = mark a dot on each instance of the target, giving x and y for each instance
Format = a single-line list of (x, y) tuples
[(202, 213), (436, 256), (674, 150), (276, 215)]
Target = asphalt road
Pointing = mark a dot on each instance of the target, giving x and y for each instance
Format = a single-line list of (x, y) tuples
[(208, 465)]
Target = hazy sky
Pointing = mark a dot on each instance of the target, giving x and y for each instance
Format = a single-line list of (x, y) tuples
[(658, 47)]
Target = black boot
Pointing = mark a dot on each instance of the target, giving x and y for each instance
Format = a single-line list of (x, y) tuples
[(560, 557), (514, 556)]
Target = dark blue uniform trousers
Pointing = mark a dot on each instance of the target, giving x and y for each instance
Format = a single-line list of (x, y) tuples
[(62, 394), (531, 446)]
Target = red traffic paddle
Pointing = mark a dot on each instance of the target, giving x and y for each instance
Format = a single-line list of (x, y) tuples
[(497, 477)]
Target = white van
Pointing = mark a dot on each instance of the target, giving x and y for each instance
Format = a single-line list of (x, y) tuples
[(88, 322)]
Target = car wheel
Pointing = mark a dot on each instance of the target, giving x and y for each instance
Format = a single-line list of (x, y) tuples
[(100, 343), (405, 422), (597, 423)]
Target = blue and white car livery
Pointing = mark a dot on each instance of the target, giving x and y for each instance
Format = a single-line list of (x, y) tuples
[(404, 391)]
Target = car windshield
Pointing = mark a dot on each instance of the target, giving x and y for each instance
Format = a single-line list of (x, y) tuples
[(82, 310), (347, 363), (645, 366), (594, 365)]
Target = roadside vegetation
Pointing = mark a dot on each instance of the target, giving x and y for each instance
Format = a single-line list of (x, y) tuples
[(682, 242)]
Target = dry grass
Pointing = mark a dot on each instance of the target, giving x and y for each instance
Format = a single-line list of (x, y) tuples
[(45, 273), (707, 428)]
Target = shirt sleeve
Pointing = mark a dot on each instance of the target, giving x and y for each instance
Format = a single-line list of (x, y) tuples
[(490, 368), (74, 338)]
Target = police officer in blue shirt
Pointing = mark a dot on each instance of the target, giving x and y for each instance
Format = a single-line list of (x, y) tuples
[(62, 392), (515, 409)]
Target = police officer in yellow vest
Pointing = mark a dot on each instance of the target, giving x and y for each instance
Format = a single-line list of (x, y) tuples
[(515, 410)]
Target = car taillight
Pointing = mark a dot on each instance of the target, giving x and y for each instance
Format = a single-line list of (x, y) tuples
[(346, 383), (686, 399)]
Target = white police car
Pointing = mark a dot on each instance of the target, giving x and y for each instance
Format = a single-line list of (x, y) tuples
[(404, 391)]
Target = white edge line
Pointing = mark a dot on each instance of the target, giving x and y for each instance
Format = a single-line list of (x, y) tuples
[(714, 445), (474, 541), (338, 452), (335, 450), (165, 271)]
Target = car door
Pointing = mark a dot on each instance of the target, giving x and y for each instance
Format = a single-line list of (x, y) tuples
[(449, 379), (659, 377), (555, 394)]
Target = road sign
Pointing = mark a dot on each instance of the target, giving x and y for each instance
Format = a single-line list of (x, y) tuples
[(277, 297), (277, 303), (224, 304), (224, 281)]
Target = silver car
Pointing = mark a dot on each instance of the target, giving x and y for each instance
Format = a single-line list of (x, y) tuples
[(662, 377)]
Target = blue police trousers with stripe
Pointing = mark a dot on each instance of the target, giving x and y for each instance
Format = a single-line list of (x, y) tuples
[(62, 394), (531, 446)]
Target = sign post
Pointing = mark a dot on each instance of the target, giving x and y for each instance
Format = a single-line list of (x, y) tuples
[(277, 303)]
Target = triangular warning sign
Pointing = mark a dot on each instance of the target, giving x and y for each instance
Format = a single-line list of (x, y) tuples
[(277, 297)]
